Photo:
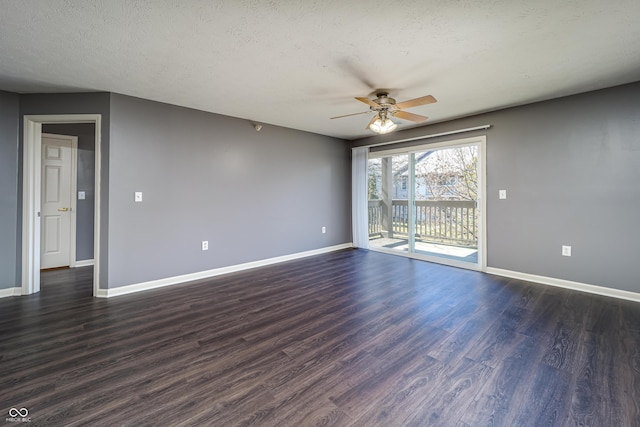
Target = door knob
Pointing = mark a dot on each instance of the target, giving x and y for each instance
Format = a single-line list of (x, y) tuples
[(63, 209)]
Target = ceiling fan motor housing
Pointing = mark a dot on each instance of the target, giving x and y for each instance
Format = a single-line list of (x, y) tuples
[(384, 100)]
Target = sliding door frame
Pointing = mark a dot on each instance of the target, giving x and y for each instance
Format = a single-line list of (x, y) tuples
[(480, 142)]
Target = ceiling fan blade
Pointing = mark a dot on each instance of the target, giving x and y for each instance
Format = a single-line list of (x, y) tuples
[(410, 116), (373, 119), (354, 114), (369, 102), (415, 102)]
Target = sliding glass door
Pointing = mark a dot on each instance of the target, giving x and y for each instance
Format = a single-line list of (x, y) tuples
[(388, 183), (426, 202)]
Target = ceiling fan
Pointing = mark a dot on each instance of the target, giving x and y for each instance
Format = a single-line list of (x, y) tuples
[(384, 106)]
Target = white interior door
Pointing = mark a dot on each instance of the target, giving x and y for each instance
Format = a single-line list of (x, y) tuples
[(57, 196)]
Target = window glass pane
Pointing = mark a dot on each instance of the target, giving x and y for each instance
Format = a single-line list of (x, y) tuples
[(388, 179)]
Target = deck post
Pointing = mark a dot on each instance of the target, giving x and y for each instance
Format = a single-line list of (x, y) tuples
[(387, 197)]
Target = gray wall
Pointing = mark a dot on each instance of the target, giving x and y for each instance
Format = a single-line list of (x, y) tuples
[(571, 168), (252, 195), (85, 182), (74, 103), (9, 104)]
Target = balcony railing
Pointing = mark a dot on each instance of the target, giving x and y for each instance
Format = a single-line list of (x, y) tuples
[(448, 221)]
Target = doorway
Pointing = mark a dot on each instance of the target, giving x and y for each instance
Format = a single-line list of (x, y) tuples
[(426, 202), (32, 197)]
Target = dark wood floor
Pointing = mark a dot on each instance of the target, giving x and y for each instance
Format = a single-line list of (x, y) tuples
[(351, 338)]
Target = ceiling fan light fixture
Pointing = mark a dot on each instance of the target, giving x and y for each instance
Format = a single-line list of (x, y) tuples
[(383, 125)]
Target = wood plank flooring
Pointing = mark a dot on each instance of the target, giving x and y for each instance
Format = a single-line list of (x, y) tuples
[(351, 338)]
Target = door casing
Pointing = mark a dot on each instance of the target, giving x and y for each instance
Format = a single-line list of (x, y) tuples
[(31, 193)]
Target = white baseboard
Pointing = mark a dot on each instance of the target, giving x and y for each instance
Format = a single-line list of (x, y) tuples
[(153, 284), (567, 284), (10, 292), (83, 263)]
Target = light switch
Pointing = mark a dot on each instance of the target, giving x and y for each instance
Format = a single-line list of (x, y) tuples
[(81, 195), (502, 194), (138, 196)]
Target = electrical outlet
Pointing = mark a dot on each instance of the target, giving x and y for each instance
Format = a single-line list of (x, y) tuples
[(205, 245), (324, 230), (566, 250)]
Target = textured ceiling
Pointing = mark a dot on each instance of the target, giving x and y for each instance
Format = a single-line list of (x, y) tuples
[(297, 63)]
